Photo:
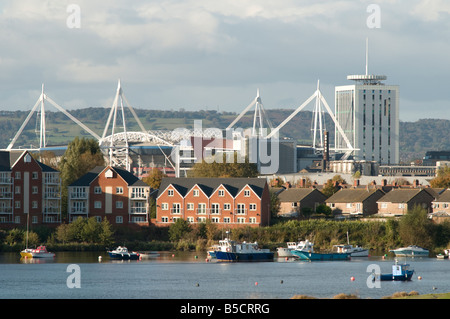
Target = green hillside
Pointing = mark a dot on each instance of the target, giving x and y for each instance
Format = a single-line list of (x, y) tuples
[(415, 137)]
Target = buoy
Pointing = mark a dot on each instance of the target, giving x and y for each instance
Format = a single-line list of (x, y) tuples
[(99, 258), (195, 257), (420, 277), (206, 259), (281, 282), (286, 259), (173, 255), (352, 278), (256, 283), (198, 285)]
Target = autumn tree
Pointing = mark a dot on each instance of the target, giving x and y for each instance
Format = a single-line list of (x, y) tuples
[(225, 168), (442, 180), (154, 178)]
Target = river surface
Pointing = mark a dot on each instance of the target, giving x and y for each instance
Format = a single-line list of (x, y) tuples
[(176, 275)]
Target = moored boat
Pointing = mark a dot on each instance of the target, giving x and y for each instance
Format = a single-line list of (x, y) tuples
[(354, 251), (39, 252), (313, 256), (123, 253), (410, 251), (301, 245), (399, 273), (229, 250)]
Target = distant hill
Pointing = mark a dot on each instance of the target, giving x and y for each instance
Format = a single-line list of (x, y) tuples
[(416, 138)]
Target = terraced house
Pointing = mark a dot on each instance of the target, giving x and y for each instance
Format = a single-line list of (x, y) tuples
[(30, 191), (112, 193), (230, 202)]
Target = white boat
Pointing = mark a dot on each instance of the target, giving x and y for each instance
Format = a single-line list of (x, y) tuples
[(354, 251), (39, 252), (123, 253), (306, 246), (411, 251)]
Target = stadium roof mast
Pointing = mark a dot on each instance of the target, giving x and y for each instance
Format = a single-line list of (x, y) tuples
[(259, 116), (42, 122)]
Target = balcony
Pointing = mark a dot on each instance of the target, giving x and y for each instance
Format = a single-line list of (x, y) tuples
[(78, 210), (78, 195), (176, 211), (138, 210), (240, 211), (6, 195)]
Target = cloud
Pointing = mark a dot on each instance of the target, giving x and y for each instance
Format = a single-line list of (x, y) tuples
[(200, 53)]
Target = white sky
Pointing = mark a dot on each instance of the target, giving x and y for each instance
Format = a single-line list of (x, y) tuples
[(208, 54)]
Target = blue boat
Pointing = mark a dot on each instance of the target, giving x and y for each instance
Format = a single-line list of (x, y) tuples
[(399, 273), (229, 250), (312, 256)]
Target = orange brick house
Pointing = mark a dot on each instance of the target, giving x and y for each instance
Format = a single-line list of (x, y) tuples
[(30, 191), (112, 193), (227, 202)]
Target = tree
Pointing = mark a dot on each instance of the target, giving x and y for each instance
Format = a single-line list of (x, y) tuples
[(214, 168), (154, 178), (81, 156), (179, 229), (274, 204), (415, 228), (323, 209), (330, 188), (442, 180)]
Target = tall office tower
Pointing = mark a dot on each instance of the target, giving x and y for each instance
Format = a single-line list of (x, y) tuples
[(368, 112)]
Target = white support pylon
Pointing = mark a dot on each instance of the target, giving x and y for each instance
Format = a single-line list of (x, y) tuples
[(259, 116), (42, 123)]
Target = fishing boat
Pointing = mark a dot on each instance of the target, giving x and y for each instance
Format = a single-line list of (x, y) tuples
[(355, 251), (229, 250), (399, 273), (39, 252), (313, 256), (301, 245), (411, 251), (123, 253)]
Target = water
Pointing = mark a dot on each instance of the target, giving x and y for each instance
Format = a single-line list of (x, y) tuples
[(189, 276)]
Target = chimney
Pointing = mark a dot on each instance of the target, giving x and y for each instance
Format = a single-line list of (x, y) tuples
[(416, 183), (384, 182), (356, 183)]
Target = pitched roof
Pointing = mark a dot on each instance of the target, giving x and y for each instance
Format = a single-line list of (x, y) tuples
[(90, 176), (352, 195), (295, 194), (401, 195), (444, 196), (9, 158), (209, 185)]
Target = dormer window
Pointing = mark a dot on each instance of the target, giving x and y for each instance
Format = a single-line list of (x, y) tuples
[(109, 174)]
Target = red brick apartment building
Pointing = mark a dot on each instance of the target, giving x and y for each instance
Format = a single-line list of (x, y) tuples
[(30, 191), (110, 192), (230, 202)]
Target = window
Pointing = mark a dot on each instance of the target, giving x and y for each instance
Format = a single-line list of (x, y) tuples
[(215, 220), (215, 208), (201, 219), (401, 205), (240, 209), (190, 219), (201, 208), (35, 175), (252, 206), (349, 205), (190, 206), (17, 189), (247, 193), (176, 208), (17, 204), (196, 193), (165, 219), (119, 190), (34, 204), (164, 206), (17, 175), (34, 219), (241, 220), (226, 220), (170, 192), (97, 204), (34, 189), (97, 190), (383, 205), (119, 204), (252, 220), (119, 219), (227, 206), (221, 193)]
